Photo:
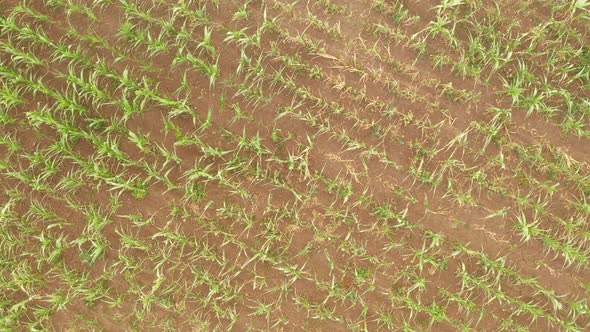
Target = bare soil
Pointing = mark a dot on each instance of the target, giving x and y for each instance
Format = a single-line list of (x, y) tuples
[(308, 205)]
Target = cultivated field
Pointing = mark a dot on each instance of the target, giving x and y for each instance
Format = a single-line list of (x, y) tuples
[(281, 165)]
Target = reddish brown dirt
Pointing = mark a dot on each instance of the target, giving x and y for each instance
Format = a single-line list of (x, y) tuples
[(298, 228)]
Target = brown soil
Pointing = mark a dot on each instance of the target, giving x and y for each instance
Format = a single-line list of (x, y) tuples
[(312, 206)]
